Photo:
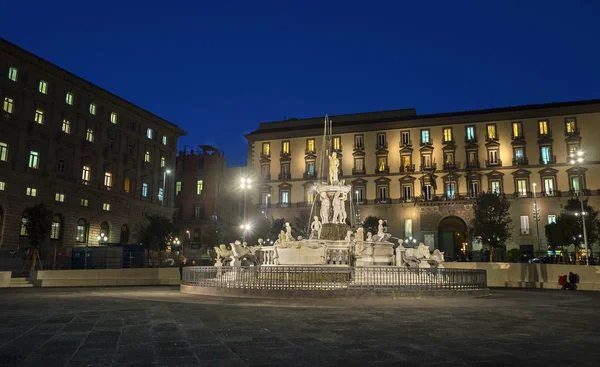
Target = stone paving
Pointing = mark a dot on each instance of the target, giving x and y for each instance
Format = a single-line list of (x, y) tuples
[(156, 326)]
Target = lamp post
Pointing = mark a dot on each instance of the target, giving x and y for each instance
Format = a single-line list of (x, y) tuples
[(577, 159), (245, 228), (357, 219), (245, 185), (164, 193), (536, 217), (101, 238), (176, 242)]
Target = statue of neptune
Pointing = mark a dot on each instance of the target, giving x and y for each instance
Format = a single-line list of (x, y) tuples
[(334, 164)]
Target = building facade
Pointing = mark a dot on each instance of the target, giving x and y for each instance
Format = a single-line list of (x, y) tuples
[(421, 172), (98, 161)]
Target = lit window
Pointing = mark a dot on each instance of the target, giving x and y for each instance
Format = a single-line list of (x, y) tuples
[(543, 127), (266, 149), (177, 187), (491, 131), (310, 145), (9, 104), (69, 98), (522, 187), (24, 222), (199, 187), (285, 198), (113, 117), (408, 228), (13, 74), (127, 184), (81, 231), (3, 152), (285, 147), (551, 218), (546, 155), (160, 194), (34, 159), (524, 224), (424, 136), (92, 109), (470, 132), (447, 134), (89, 135), (570, 125), (66, 126), (381, 163), (86, 173), (147, 157), (517, 128), (84, 202), (31, 191), (149, 133), (39, 116), (106, 207), (358, 142), (337, 143), (164, 140), (145, 190), (2, 185), (163, 161), (43, 87), (495, 186), (310, 197), (108, 178), (59, 197), (55, 229)]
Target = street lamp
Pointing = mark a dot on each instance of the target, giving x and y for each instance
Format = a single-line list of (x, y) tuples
[(536, 217), (245, 228), (164, 193), (101, 238), (357, 219), (577, 159), (245, 185)]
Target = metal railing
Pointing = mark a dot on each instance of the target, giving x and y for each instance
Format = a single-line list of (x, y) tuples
[(312, 278)]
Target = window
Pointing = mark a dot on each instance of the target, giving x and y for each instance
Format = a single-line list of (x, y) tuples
[(427, 191), (517, 129), (310, 168), (3, 152), (447, 134), (2, 185), (360, 194), (84, 202), (59, 197), (198, 214), (426, 160), (448, 158), (163, 162), (145, 190), (66, 126), (130, 149), (519, 154), (89, 135), (92, 109), (359, 142), (86, 174), (149, 133), (161, 193), (310, 145), (524, 224), (13, 74), (147, 157), (337, 143), (472, 157), (491, 131), (164, 140), (546, 155), (265, 198), (177, 187), (109, 142), (285, 169), (359, 164), (405, 163), (39, 116), (132, 126), (382, 194), (543, 127), (69, 99), (407, 192), (570, 125), (381, 164), (24, 222), (450, 190), (265, 171), (474, 188), (381, 140), (43, 87), (60, 166), (522, 187), (470, 133), (81, 231), (199, 187), (408, 228), (493, 156), (575, 184), (31, 191), (572, 149), (55, 229), (495, 186), (127, 184), (548, 185), (285, 198), (551, 218), (34, 160), (9, 104), (425, 136), (113, 117), (405, 138), (310, 196), (106, 207), (108, 179)]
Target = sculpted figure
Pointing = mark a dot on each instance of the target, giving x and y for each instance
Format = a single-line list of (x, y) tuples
[(380, 233), (369, 237), (324, 208), (315, 228), (343, 214), (288, 231), (281, 236), (348, 236), (334, 165), (337, 215)]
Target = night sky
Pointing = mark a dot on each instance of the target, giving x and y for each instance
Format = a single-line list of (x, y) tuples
[(219, 68)]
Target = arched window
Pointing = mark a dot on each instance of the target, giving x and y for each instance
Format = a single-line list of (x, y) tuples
[(24, 222), (56, 230), (124, 234), (127, 185), (105, 230), (82, 231)]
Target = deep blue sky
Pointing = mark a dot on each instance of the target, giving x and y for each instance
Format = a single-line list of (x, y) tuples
[(219, 68)]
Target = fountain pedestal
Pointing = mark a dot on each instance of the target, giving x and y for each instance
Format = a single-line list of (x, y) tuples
[(334, 231)]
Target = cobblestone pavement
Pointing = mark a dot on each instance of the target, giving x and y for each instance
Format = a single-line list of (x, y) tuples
[(155, 326)]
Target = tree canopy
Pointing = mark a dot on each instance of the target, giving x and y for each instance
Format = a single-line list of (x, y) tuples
[(371, 224), (155, 232), (568, 228), (492, 222), (39, 224)]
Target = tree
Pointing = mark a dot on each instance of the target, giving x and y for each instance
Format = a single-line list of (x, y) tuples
[(301, 224), (492, 221), (155, 232), (568, 229), (371, 224), (38, 227)]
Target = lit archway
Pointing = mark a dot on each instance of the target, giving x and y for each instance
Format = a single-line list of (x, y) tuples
[(452, 237)]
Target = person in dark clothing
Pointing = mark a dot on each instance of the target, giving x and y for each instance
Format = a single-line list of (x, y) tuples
[(182, 264)]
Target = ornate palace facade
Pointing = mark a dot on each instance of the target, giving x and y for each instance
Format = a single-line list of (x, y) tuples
[(421, 172)]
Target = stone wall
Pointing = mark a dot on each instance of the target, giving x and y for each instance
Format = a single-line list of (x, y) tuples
[(105, 277)]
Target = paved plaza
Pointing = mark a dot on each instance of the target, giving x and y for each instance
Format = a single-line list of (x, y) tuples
[(155, 326)]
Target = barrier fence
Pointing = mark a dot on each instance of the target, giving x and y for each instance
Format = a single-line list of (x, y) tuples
[(309, 278)]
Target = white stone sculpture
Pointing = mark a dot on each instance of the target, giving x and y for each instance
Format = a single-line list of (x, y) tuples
[(380, 233), (288, 231), (343, 198), (315, 228), (348, 236), (334, 165), (337, 209), (281, 236), (369, 237), (223, 255), (438, 256), (419, 252), (324, 208), (260, 242)]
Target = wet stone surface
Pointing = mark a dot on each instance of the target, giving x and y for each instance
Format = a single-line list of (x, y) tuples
[(158, 326)]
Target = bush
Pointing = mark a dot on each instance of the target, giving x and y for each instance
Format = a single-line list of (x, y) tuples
[(514, 255)]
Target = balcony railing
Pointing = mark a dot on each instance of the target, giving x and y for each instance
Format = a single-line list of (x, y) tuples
[(427, 142), (7, 116), (547, 134), (263, 155), (408, 168), (266, 177), (284, 205), (448, 142), (284, 176), (493, 163), (284, 154), (450, 165), (472, 139), (573, 132), (520, 136), (550, 160), (359, 147), (380, 146), (521, 161), (429, 167), (310, 174), (386, 170), (473, 164), (405, 143), (309, 151), (491, 137), (358, 171), (520, 194)]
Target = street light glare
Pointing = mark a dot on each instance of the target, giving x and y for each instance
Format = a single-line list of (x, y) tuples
[(580, 160), (579, 153), (168, 171), (572, 161)]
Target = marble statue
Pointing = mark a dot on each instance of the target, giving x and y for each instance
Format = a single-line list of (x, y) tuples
[(260, 242), (348, 236), (438, 256), (337, 209), (288, 231), (223, 255), (343, 199), (360, 234), (324, 208), (334, 165), (315, 229), (244, 255), (380, 232), (420, 252), (281, 236), (369, 237)]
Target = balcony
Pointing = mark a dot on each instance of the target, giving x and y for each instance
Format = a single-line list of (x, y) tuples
[(386, 170), (448, 142), (426, 142), (550, 160), (449, 165), (491, 137), (360, 171), (574, 131), (266, 177), (283, 176), (517, 137), (545, 135), (493, 163), (473, 164), (405, 143), (283, 154), (265, 156), (521, 161), (310, 174), (359, 147), (309, 151), (380, 146), (284, 205), (429, 167), (470, 140), (408, 168), (7, 116), (550, 193)]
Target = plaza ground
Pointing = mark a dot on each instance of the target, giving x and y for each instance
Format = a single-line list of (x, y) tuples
[(154, 326)]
